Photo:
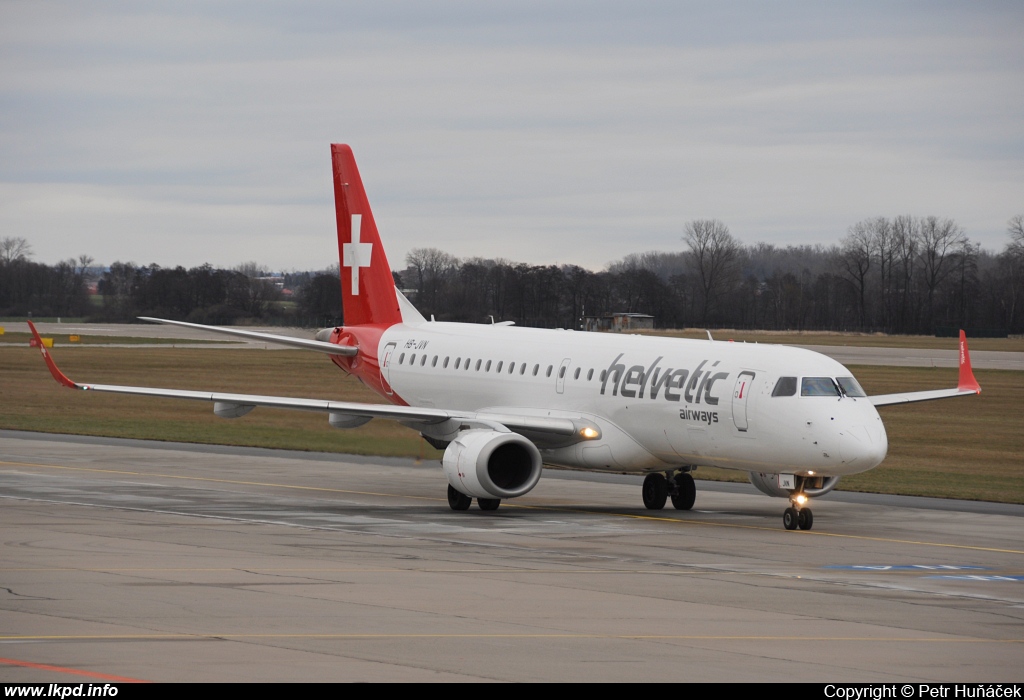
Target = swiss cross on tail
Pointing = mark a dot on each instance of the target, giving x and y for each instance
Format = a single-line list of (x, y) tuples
[(355, 255), (367, 287)]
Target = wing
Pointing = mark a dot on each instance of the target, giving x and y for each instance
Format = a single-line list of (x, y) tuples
[(545, 430), (303, 343), (967, 386)]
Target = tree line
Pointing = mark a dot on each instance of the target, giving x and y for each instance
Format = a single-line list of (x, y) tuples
[(905, 275), (900, 275)]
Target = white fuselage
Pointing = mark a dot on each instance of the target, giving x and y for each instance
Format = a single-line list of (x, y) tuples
[(661, 403)]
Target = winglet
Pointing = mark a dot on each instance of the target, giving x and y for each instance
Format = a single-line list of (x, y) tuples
[(57, 374), (967, 380)]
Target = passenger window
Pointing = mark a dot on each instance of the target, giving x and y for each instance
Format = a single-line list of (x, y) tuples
[(512, 367), (561, 372), (522, 369), (478, 362), (819, 386), (434, 363), (590, 375), (457, 361), (603, 372), (850, 387), (550, 367), (423, 361), (577, 374), (446, 363), (535, 369), (487, 368), (786, 386), (498, 368), (401, 358), (412, 359)]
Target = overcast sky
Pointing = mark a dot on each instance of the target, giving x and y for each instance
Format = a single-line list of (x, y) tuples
[(545, 132)]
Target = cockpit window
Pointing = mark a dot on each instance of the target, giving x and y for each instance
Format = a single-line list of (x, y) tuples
[(819, 386), (850, 387), (786, 386)]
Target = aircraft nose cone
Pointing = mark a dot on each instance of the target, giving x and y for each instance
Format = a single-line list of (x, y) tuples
[(860, 449)]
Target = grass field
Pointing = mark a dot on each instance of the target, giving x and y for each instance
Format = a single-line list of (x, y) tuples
[(64, 339), (963, 448)]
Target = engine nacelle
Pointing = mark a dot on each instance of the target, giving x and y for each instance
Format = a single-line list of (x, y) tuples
[(491, 464), (813, 486)]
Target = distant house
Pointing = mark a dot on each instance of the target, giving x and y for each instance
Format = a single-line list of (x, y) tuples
[(619, 323)]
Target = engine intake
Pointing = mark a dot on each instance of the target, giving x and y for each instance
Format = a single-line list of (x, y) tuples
[(492, 464)]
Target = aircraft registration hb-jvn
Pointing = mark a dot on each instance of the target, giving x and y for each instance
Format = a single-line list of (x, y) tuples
[(503, 401)]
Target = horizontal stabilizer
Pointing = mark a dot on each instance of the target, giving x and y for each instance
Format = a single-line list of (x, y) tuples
[(303, 343)]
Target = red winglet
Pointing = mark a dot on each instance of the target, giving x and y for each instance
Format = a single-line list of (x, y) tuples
[(967, 380), (57, 374)]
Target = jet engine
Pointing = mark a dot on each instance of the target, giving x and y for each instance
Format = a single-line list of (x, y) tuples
[(813, 486), (492, 464)]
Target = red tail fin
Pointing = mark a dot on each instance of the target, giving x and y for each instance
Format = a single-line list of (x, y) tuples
[(367, 287)]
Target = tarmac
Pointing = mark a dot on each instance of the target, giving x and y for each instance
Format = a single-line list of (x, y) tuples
[(126, 559)]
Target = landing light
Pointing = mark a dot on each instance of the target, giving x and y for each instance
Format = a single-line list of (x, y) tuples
[(801, 499), (589, 433)]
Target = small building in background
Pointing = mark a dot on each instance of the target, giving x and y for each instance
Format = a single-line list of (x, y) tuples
[(619, 323)]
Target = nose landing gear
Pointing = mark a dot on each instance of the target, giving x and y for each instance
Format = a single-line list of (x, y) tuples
[(797, 517)]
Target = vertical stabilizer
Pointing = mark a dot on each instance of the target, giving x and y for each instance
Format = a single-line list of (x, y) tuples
[(367, 287)]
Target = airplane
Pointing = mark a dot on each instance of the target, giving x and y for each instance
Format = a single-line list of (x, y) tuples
[(503, 401)]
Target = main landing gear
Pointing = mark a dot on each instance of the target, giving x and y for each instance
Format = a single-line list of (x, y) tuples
[(797, 517), (460, 501), (658, 488)]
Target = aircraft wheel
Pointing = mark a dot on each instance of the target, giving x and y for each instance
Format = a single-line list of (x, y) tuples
[(790, 518), (805, 519), (686, 492), (458, 500), (488, 503), (655, 491)]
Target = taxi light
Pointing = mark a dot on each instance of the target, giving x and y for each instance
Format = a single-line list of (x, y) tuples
[(589, 433), (801, 499)]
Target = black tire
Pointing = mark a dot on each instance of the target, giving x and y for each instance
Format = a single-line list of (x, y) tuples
[(805, 519), (686, 492), (488, 503), (790, 518), (458, 500), (655, 491)]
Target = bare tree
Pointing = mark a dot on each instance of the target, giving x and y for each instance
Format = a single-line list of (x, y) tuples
[(432, 268), (714, 253), (1015, 228), (84, 261), (14, 248), (1014, 262), (854, 262), (253, 292), (941, 241), (904, 236)]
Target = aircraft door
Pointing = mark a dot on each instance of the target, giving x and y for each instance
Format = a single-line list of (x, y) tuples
[(385, 367), (740, 394), (562, 371)]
